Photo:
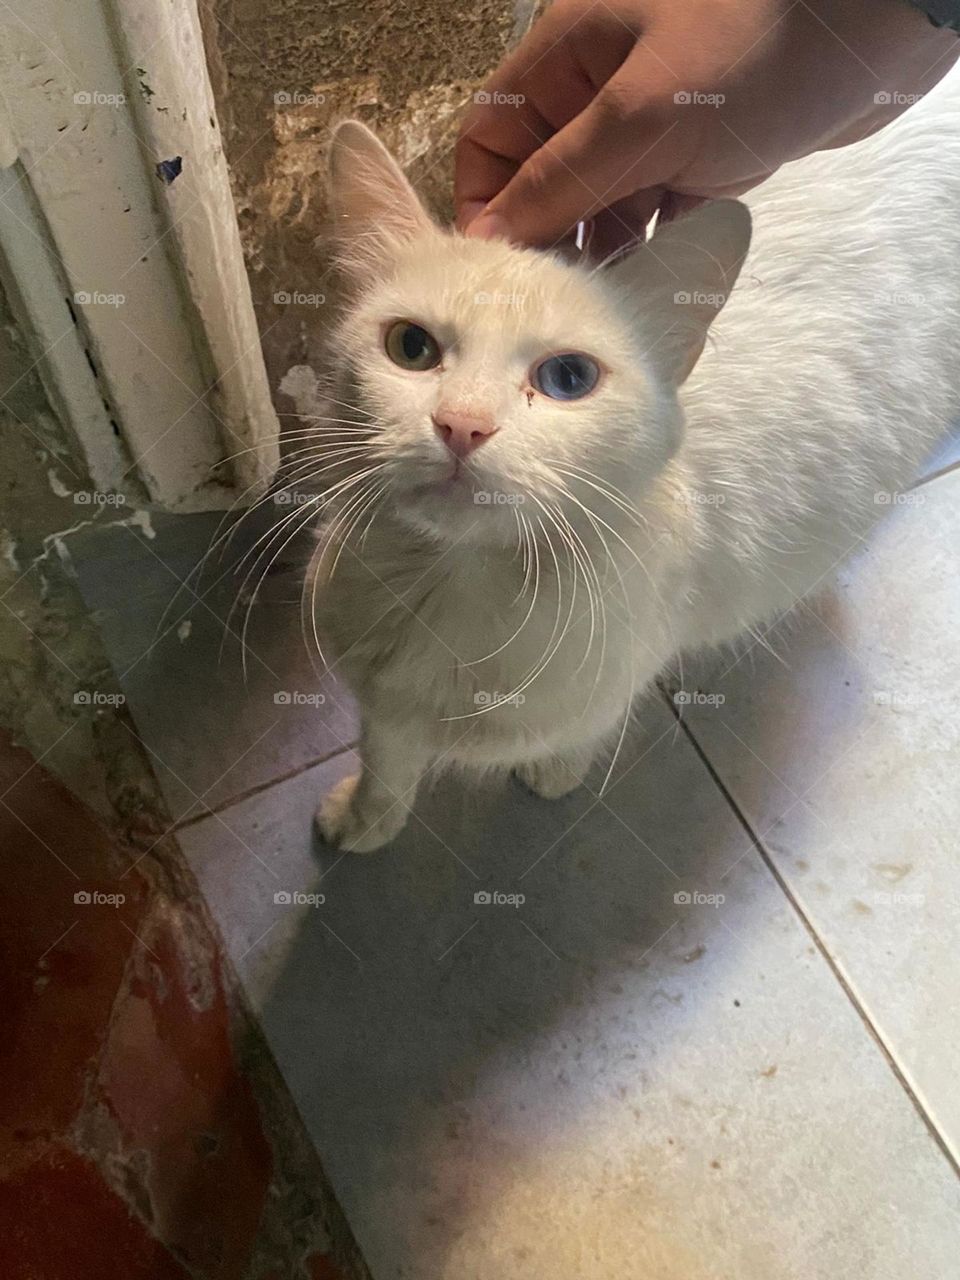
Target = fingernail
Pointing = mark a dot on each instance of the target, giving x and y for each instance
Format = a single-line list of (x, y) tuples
[(490, 226), (469, 211)]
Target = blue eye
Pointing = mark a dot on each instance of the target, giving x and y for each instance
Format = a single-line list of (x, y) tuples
[(567, 377)]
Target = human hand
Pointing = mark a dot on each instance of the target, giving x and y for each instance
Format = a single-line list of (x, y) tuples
[(610, 112)]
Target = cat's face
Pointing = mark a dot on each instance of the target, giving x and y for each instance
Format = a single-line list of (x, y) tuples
[(505, 386), (496, 377)]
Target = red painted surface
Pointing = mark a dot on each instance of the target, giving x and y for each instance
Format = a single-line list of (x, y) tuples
[(62, 1222), (131, 1143)]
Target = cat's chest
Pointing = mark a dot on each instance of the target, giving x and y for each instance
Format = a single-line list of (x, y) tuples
[(474, 635)]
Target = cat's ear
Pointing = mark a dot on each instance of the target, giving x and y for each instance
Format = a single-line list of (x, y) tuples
[(680, 280), (374, 206)]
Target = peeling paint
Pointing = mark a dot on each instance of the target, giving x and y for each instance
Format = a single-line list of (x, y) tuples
[(56, 484), (8, 549), (169, 170), (142, 521)]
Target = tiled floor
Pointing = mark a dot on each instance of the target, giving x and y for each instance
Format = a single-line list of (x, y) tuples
[(720, 1035)]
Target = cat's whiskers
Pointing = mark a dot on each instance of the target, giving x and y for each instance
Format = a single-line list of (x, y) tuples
[(663, 611), (221, 536), (307, 510)]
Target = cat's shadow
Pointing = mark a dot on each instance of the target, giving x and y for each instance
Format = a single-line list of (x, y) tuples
[(412, 995)]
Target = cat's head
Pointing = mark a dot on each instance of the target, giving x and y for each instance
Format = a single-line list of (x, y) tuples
[(501, 379)]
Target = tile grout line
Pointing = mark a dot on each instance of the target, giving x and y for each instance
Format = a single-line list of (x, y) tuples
[(872, 1030), (934, 475), (182, 824)]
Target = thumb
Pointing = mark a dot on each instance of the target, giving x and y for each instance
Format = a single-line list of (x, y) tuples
[(620, 144)]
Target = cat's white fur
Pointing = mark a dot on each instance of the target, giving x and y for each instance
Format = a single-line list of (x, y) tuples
[(715, 500)]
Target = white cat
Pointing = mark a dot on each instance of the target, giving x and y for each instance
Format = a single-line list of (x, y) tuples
[(544, 486)]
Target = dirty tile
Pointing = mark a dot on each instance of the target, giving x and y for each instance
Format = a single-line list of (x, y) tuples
[(579, 1039), (215, 726), (842, 748)]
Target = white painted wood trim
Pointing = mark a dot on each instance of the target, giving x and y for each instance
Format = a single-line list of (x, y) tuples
[(97, 93)]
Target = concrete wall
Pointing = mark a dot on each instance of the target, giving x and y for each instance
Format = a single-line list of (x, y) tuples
[(50, 651), (284, 71)]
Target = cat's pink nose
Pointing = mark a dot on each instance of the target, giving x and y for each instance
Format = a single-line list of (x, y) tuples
[(462, 432)]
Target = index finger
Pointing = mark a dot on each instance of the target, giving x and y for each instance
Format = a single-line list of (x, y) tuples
[(550, 78)]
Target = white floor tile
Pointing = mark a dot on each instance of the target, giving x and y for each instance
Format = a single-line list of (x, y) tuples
[(616, 1078), (844, 755)]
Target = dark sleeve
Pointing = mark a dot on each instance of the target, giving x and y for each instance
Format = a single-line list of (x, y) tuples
[(942, 13)]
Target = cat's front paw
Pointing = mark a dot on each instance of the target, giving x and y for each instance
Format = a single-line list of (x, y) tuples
[(342, 820)]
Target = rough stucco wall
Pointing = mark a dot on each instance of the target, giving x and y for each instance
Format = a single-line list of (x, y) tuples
[(49, 646), (406, 68)]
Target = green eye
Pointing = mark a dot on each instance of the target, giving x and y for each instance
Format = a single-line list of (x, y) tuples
[(411, 347)]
